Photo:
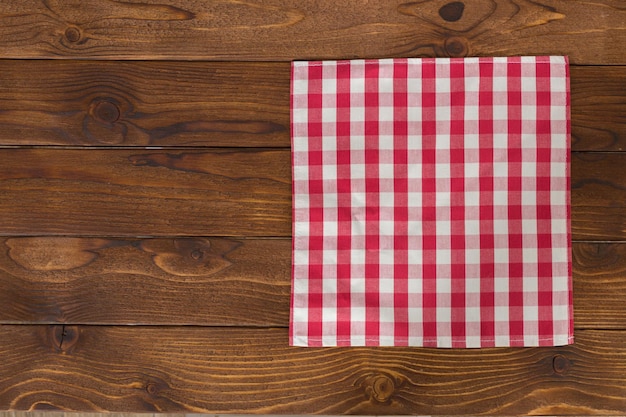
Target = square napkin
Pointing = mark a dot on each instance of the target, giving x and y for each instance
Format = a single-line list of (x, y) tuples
[(431, 202)]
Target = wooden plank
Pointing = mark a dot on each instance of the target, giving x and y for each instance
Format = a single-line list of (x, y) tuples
[(55, 413), (214, 282), (598, 98), (598, 196), (94, 414), (218, 370), (228, 104), (589, 32), (145, 192), (216, 193), (151, 281), (599, 285), (144, 103)]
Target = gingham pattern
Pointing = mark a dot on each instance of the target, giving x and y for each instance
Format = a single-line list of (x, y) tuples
[(431, 202)]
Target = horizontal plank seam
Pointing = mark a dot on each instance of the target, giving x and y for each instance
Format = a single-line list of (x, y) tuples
[(144, 237), (194, 58), (146, 326), (232, 237), (249, 62), (151, 148), (206, 148)]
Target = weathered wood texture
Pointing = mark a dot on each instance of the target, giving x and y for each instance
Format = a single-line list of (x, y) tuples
[(145, 192), (252, 370), (151, 281), (590, 32), (598, 97), (81, 196), (599, 285), (211, 282), (598, 196), (56, 413), (229, 104), (216, 193), (144, 103)]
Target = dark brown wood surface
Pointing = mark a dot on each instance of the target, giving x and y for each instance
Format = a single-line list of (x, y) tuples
[(101, 103), (145, 192), (598, 108), (201, 281), (240, 370), (216, 104), (214, 282), (589, 32), (225, 192), (145, 208), (598, 196)]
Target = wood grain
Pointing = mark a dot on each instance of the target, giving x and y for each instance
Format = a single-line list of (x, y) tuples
[(195, 319), (214, 104), (589, 32), (145, 192), (214, 282), (253, 371), (54, 413), (598, 196), (150, 281), (216, 193), (144, 103), (598, 99), (599, 285)]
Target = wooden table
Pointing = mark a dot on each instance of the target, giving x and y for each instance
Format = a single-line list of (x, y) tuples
[(145, 208)]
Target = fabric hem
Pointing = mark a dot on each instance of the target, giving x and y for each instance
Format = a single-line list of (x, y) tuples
[(429, 343)]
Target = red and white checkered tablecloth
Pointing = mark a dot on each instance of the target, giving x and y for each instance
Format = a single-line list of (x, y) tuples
[(431, 202)]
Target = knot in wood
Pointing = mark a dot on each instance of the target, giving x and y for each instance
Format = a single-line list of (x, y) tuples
[(452, 12), (152, 389), (197, 254), (560, 364), (72, 34), (64, 338), (380, 388), (155, 386), (456, 47), (106, 112)]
